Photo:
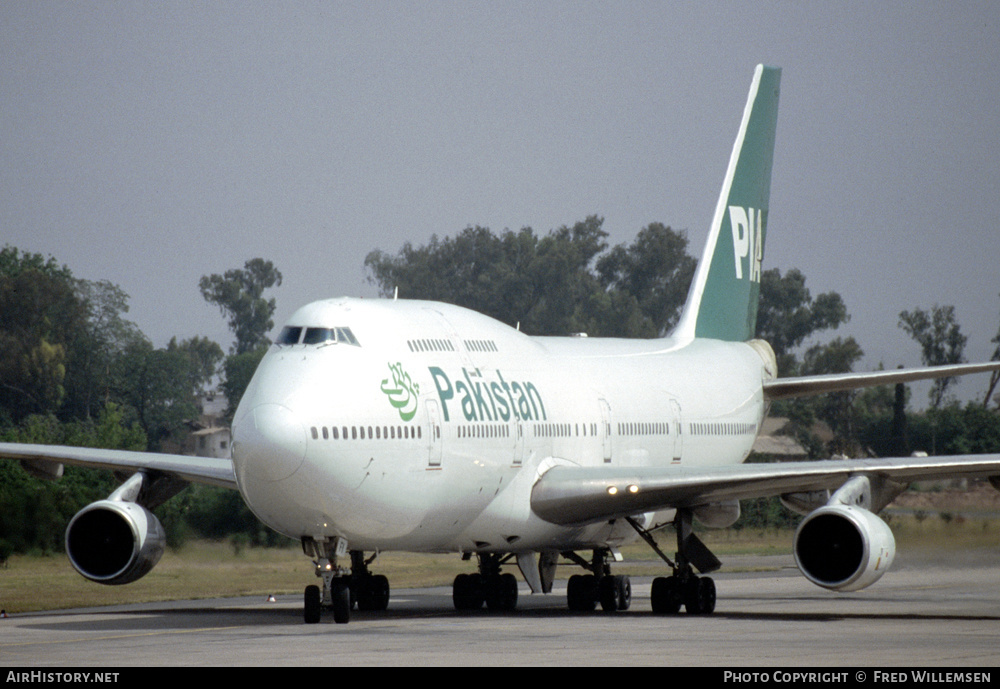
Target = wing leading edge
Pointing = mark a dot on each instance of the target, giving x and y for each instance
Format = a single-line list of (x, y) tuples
[(207, 470), (578, 495), (801, 386)]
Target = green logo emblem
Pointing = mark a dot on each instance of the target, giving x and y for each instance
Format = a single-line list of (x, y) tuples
[(401, 391)]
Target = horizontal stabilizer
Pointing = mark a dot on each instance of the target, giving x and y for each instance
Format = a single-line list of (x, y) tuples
[(785, 388)]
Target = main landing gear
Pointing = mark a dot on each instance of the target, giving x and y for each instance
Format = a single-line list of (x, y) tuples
[(683, 587), (497, 590), (585, 591), (343, 587)]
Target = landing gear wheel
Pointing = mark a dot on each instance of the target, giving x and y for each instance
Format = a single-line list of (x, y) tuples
[(699, 598), (340, 593), (372, 592), (665, 596), (581, 592), (467, 592), (501, 593), (615, 593), (624, 586), (312, 605)]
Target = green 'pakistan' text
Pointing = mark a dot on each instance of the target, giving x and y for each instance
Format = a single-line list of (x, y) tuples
[(489, 400)]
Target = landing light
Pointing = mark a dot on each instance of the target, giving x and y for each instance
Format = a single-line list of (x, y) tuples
[(633, 489), (612, 490)]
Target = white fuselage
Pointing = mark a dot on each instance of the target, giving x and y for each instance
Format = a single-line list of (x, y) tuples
[(423, 426)]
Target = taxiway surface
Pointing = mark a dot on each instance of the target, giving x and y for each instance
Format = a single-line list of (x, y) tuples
[(922, 613)]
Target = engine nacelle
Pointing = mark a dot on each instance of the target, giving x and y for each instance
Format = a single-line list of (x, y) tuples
[(843, 547), (114, 542), (718, 515)]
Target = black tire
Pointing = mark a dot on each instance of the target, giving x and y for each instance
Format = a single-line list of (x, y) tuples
[(340, 592), (467, 592), (501, 593), (370, 592), (312, 609), (379, 592), (699, 598), (624, 590), (508, 584), (581, 592), (607, 593), (665, 596)]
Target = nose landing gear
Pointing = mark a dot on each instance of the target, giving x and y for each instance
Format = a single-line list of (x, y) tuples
[(343, 587), (336, 590)]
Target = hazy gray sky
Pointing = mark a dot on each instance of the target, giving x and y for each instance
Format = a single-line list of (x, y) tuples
[(152, 143)]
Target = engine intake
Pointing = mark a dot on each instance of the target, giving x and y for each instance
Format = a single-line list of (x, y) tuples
[(114, 542), (843, 547)]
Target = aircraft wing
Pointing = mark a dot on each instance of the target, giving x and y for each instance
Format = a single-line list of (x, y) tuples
[(784, 388), (578, 495), (46, 459)]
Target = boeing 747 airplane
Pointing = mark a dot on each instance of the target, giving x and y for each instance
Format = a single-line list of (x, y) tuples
[(380, 425)]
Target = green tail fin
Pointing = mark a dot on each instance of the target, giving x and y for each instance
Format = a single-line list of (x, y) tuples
[(722, 302)]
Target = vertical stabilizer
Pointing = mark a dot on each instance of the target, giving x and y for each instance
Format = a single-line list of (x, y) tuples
[(722, 302)]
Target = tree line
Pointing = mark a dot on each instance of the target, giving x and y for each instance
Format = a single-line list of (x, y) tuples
[(75, 371)]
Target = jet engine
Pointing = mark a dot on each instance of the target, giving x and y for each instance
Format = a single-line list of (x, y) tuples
[(843, 547), (114, 542), (718, 515)]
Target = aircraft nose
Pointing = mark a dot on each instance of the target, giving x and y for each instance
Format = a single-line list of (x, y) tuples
[(269, 444)]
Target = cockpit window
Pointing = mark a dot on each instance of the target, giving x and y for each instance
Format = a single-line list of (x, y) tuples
[(289, 335), (345, 335), (319, 336), (293, 334)]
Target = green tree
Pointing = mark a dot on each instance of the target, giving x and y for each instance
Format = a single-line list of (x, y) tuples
[(205, 359), (556, 284), (156, 384), (788, 315), (655, 269), (837, 408), (941, 342), (105, 336), (35, 511), (238, 370), (239, 294), (946, 430), (40, 315), (517, 278)]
